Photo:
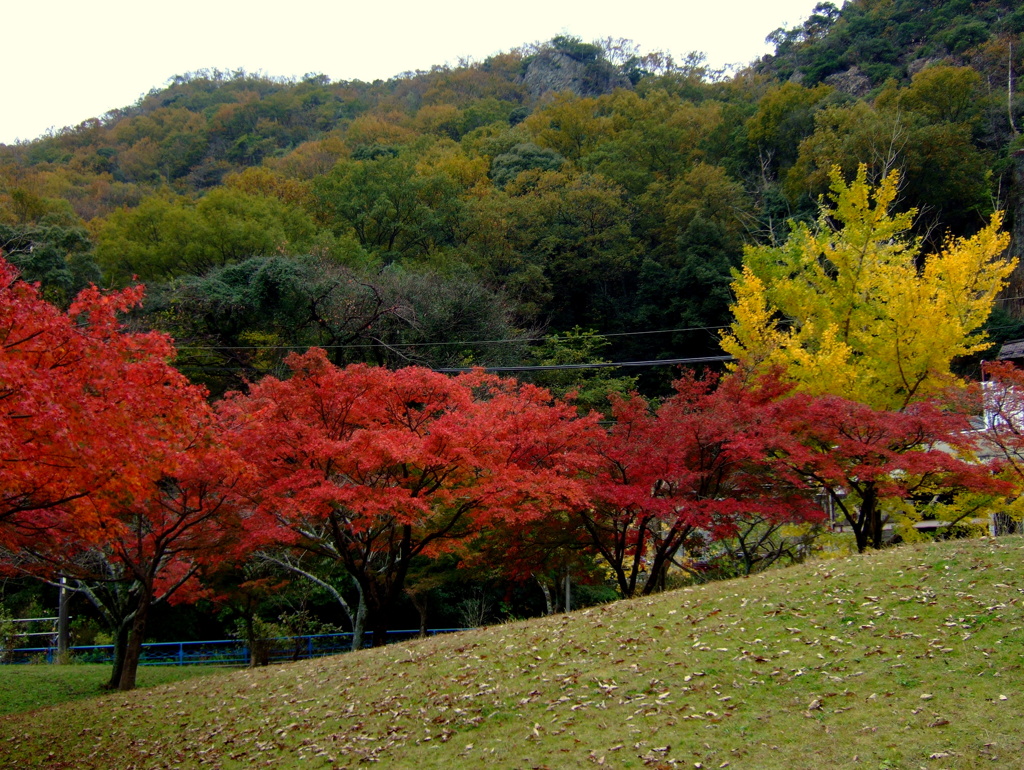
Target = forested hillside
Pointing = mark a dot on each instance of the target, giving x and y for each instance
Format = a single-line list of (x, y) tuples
[(471, 214)]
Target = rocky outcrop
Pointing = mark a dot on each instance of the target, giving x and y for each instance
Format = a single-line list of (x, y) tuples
[(852, 82), (550, 71)]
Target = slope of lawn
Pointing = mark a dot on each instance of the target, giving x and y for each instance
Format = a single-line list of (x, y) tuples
[(908, 658)]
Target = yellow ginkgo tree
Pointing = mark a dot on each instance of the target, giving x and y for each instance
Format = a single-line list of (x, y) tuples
[(849, 306)]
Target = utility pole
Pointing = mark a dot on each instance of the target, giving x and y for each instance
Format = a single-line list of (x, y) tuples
[(1009, 89), (63, 629)]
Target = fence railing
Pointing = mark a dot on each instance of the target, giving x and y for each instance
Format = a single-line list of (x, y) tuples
[(217, 652)]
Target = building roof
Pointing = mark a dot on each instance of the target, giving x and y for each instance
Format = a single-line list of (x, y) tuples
[(1011, 350)]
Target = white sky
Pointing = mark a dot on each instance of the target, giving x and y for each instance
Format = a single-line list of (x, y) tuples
[(65, 61)]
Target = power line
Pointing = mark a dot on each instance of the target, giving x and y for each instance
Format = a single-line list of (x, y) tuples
[(554, 338), (601, 365), (540, 368)]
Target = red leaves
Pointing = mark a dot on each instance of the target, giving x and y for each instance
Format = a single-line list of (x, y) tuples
[(373, 445), (102, 442), (841, 442), (1003, 400), (109, 467), (84, 406), (693, 465), (862, 456), (377, 466)]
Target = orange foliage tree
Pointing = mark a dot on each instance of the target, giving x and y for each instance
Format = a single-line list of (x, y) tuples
[(109, 463), (84, 407), (376, 468)]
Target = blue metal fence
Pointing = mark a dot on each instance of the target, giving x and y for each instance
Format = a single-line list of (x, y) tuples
[(217, 652)]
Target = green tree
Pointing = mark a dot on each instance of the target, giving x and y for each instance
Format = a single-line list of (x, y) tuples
[(943, 94), (784, 118), (166, 237), (524, 156), (394, 211), (236, 323), (942, 173), (59, 258), (547, 229), (591, 386)]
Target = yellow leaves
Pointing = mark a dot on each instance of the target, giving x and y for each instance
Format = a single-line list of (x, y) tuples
[(964, 277), (569, 125), (754, 339), (445, 159), (868, 317), (387, 128)]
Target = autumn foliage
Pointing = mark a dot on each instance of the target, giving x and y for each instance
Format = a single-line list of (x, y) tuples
[(866, 315), (375, 467), (873, 463), (113, 467), (109, 458), (692, 468), (85, 408)]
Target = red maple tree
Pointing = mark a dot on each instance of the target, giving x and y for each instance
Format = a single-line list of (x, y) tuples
[(83, 404), (156, 544), (109, 464), (692, 468), (1002, 435), (869, 460), (376, 468)]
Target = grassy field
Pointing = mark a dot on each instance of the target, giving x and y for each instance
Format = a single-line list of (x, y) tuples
[(27, 687), (908, 658)]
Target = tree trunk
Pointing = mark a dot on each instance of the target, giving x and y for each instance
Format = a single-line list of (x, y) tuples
[(422, 605), (359, 622), (379, 627), (133, 652), (377, 606), (869, 505), (860, 534), (1004, 524), (549, 604), (120, 649)]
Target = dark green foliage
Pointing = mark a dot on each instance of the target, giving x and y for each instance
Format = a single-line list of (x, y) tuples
[(575, 48), (239, 322), (884, 39), (690, 291), (523, 157), (394, 212), (59, 258), (1014, 22), (966, 34), (374, 152)]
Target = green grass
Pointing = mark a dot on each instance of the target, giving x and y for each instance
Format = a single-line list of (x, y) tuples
[(908, 658), (27, 687)]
